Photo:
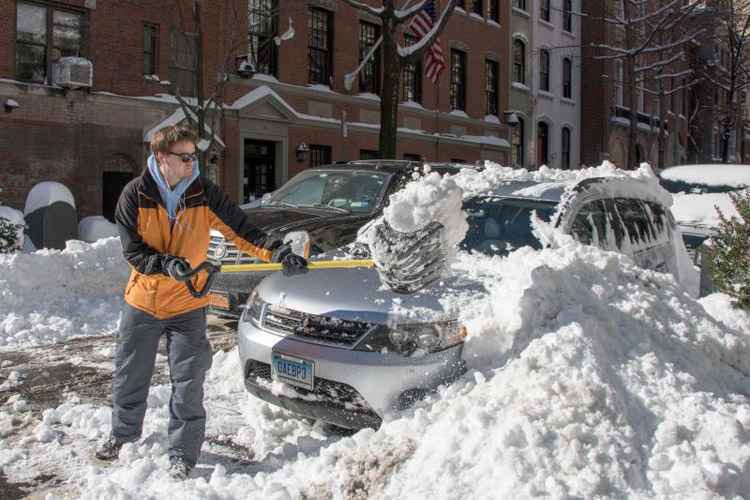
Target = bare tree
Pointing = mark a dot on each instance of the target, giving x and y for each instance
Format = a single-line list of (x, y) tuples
[(651, 41), (727, 66), (395, 58)]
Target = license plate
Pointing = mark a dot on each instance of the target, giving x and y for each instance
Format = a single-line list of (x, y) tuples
[(218, 300), (294, 371)]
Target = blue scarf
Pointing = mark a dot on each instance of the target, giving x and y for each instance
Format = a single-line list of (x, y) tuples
[(171, 196)]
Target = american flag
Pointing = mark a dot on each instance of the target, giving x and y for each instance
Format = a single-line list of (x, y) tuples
[(420, 25)]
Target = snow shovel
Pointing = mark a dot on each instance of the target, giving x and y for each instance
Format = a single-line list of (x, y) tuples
[(405, 261)]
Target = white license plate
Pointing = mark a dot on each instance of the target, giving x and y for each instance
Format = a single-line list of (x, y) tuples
[(294, 371)]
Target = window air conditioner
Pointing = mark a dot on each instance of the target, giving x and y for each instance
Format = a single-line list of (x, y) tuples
[(73, 72)]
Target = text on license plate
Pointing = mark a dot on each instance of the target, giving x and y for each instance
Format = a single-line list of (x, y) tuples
[(295, 371)]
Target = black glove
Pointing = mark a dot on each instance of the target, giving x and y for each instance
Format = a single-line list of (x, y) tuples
[(291, 262), (175, 267)]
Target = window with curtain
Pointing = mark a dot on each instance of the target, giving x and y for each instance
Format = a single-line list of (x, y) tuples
[(262, 28), (544, 69), (544, 10), (369, 76), (565, 147), (542, 144), (43, 35), (568, 15), (567, 78), (519, 61), (458, 80), (517, 149), (491, 86), (411, 76), (320, 46), (150, 49), (320, 154)]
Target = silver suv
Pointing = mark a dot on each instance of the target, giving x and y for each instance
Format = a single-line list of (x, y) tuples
[(328, 345)]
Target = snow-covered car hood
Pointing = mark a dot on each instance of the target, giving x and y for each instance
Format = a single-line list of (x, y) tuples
[(358, 294)]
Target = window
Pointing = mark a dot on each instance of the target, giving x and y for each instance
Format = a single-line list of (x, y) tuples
[(544, 10), (477, 7), (411, 76), (565, 147), (544, 69), (542, 144), (150, 49), (412, 157), (619, 83), (519, 4), (636, 220), (567, 78), (590, 225), (490, 86), (320, 155), (369, 154), (44, 35), (458, 80), (262, 28), (369, 76), (320, 46), (519, 61), (517, 150), (568, 15), (494, 10), (183, 61), (641, 95)]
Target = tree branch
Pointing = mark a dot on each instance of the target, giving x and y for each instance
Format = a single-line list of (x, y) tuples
[(413, 53), (364, 7)]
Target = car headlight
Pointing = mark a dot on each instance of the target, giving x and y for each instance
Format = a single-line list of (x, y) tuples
[(408, 339), (253, 308)]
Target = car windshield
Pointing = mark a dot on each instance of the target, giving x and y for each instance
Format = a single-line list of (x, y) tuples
[(676, 187), (341, 191), (497, 226)]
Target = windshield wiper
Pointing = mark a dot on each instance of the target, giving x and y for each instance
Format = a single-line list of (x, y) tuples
[(326, 207), (281, 204)]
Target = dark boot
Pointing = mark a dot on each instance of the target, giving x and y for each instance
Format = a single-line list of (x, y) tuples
[(179, 470), (110, 449)]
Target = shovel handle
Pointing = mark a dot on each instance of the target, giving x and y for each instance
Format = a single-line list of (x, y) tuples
[(276, 266)]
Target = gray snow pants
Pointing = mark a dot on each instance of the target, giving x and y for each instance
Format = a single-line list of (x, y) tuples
[(189, 354)]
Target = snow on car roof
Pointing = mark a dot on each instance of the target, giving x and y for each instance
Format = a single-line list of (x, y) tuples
[(735, 175)]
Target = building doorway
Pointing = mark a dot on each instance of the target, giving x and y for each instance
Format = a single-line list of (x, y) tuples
[(542, 144), (259, 173), (112, 185)]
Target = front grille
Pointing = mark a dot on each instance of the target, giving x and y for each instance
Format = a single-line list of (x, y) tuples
[(312, 326), (221, 250), (328, 392)]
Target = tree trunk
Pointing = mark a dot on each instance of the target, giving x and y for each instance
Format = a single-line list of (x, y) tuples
[(389, 94), (662, 125), (632, 106), (199, 90)]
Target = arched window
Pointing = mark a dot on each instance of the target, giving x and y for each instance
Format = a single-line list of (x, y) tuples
[(544, 69), (565, 149), (567, 78), (517, 144), (519, 61), (542, 144)]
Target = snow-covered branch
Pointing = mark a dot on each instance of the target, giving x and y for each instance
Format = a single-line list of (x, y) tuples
[(403, 15), (375, 11), (414, 52)]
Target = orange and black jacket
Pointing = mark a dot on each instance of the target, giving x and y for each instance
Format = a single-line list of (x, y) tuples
[(148, 236)]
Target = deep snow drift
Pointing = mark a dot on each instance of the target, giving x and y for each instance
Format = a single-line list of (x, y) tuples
[(588, 376)]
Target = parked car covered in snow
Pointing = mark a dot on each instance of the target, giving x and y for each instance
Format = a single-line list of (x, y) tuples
[(698, 190), (339, 346), (330, 202)]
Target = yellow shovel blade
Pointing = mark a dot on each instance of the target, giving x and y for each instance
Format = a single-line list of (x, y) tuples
[(276, 266)]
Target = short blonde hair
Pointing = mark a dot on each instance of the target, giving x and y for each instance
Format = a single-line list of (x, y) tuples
[(163, 139)]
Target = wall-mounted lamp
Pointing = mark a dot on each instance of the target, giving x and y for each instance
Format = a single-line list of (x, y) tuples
[(10, 105), (302, 151)]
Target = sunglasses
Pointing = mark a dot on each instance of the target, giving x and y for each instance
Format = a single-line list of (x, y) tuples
[(184, 157)]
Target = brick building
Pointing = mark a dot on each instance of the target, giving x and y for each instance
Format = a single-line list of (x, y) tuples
[(296, 112)]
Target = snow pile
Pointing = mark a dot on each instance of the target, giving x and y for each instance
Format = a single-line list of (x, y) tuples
[(700, 209), (50, 295), (95, 228), (733, 175)]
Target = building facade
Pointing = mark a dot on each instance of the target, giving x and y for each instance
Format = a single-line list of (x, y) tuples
[(293, 108), (557, 83), (521, 57)]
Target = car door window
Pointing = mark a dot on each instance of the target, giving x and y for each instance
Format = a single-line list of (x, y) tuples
[(615, 229), (590, 225), (636, 220)]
